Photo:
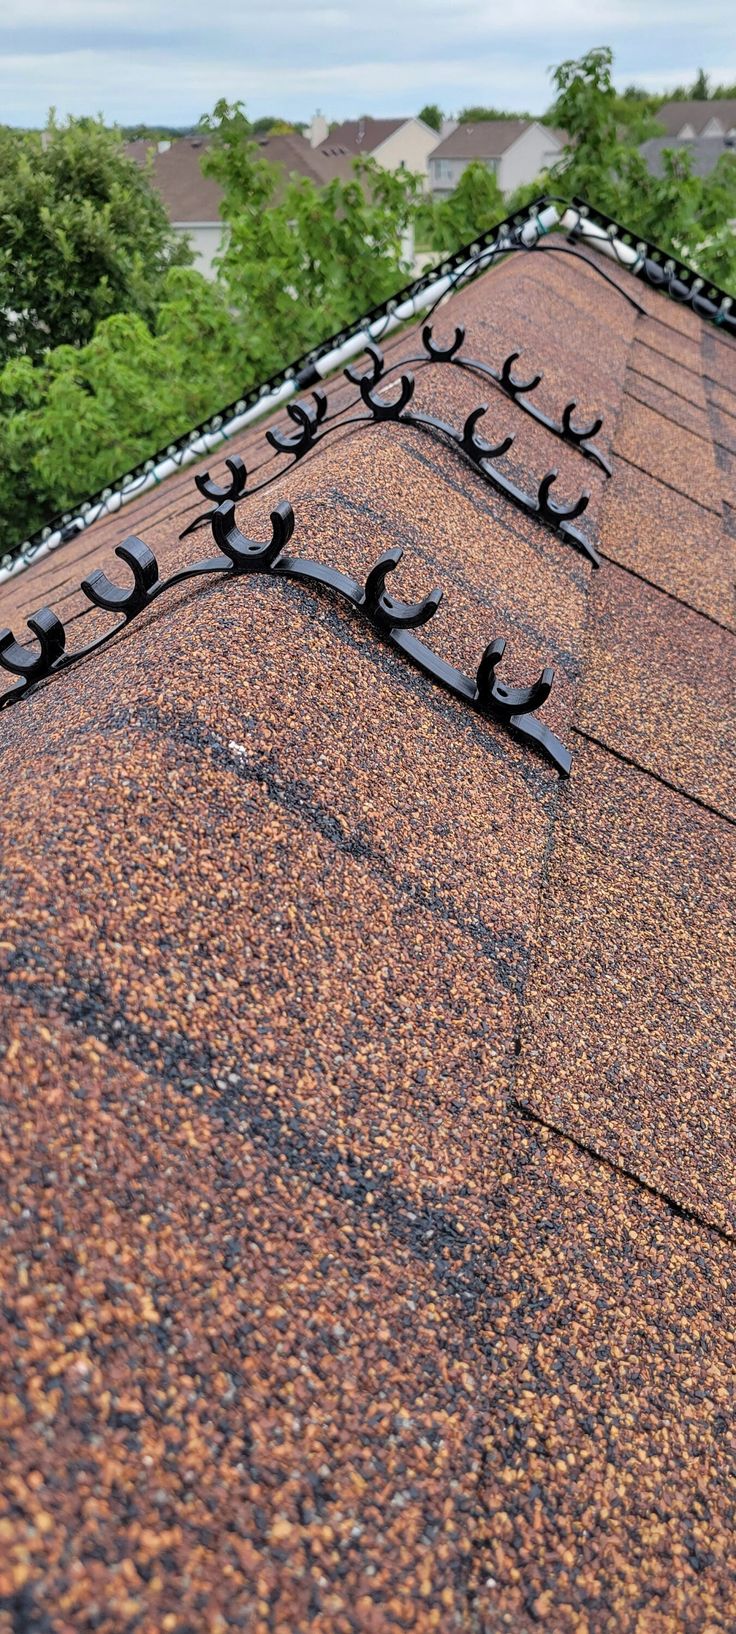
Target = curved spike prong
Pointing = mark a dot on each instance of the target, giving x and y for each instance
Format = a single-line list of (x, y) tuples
[(51, 636), (476, 446), (319, 396), (579, 434), (442, 354), (493, 695), (101, 590), (378, 365), (305, 417), (302, 413), (380, 409), (516, 388), (384, 609), (213, 490), (487, 667), (559, 513), (283, 523), (247, 555)]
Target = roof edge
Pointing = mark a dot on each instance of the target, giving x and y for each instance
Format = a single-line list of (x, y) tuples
[(296, 376), (523, 228)]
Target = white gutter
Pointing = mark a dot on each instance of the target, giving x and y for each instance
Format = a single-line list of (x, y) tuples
[(535, 228), (624, 254)]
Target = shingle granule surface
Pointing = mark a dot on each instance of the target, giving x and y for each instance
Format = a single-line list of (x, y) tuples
[(367, 1242)]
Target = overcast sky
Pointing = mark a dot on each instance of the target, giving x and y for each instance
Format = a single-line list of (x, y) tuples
[(166, 62)]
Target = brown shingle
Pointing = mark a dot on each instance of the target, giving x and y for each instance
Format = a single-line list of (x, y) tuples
[(360, 135), (483, 139), (190, 196), (628, 1039), (312, 1322), (674, 115)]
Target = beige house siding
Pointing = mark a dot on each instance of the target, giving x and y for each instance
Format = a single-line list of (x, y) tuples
[(524, 159), (205, 238), (408, 148), (527, 157)]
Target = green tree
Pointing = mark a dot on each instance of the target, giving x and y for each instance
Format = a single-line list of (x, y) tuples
[(232, 158), (586, 109), (83, 236), (73, 420), (681, 212), (317, 257), (476, 203), (432, 115), (474, 115), (301, 261), (700, 91)]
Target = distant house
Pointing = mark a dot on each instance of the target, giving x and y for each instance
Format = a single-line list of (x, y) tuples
[(703, 152), (395, 144), (516, 150), (690, 119), (192, 200)]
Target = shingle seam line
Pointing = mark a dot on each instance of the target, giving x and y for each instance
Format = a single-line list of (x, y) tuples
[(711, 441), (648, 771), (729, 629), (681, 491), (675, 361), (524, 1110), (664, 387)]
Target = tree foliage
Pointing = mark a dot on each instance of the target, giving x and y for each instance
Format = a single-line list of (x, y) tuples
[(84, 236), (77, 417), (687, 214), (295, 268), (474, 115), (317, 258), (476, 203), (432, 115)]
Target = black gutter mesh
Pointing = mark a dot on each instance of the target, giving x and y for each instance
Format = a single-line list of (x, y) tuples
[(693, 282)]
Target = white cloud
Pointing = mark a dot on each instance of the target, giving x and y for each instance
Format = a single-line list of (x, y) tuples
[(164, 61)]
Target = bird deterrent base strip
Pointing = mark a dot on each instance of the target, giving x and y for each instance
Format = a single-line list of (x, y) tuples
[(514, 708)]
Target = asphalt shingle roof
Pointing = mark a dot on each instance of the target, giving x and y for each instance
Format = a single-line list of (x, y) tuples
[(361, 135), (368, 1090), (703, 152), (673, 115), (190, 196)]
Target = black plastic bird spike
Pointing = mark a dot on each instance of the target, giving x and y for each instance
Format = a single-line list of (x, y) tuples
[(396, 621), (248, 555), (32, 666), (103, 593), (384, 608), (518, 390), (214, 491)]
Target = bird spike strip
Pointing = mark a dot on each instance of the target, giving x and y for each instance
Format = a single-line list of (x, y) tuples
[(577, 436), (513, 707), (313, 424)]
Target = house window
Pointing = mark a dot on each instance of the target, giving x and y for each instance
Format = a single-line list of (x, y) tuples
[(492, 165)]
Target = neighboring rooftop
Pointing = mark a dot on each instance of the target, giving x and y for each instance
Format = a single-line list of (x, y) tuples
[(361, 135), (190, 196), (369, 1092), (483, 139), (703, 152), (712, 118)]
